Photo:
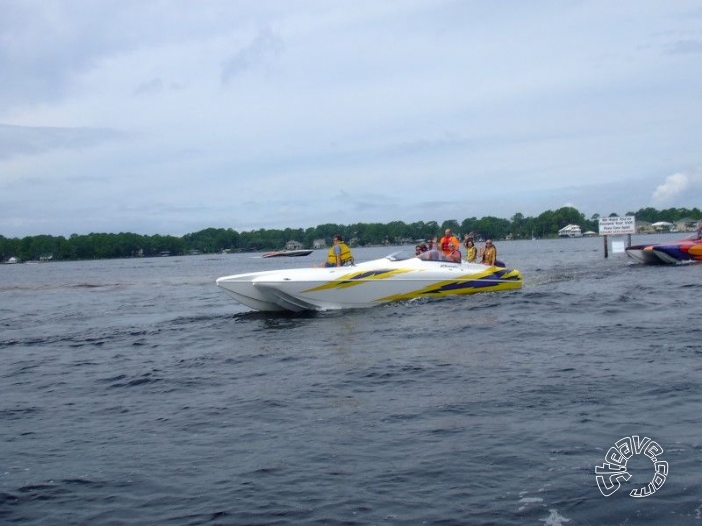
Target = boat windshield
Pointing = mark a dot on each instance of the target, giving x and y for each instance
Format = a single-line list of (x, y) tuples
[(398, 256)]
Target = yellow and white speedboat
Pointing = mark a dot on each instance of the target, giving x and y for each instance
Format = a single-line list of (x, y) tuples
[(392, 278)]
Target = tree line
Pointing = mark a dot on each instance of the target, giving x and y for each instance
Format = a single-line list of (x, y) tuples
[(211, 240)]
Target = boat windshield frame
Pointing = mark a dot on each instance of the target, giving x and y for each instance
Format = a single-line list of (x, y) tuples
[(400, 255)]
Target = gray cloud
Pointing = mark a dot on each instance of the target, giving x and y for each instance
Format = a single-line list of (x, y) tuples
[(415, 109), (33, 140), (150, 87), (264, 46), (46, 46), (684, 47)]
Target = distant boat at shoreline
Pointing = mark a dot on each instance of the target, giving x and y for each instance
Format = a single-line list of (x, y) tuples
[(287, 253)]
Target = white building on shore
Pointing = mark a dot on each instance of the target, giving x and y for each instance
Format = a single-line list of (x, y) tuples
[(570, 231)]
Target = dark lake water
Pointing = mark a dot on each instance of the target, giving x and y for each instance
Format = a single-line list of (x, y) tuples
[(136, 392)]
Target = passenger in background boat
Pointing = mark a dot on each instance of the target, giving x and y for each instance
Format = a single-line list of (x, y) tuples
[(471, 251), (489, 253), (449, 238), (432, 252), (453, 255), (339, 254), (432, 243), (420, 249), (699, 229)]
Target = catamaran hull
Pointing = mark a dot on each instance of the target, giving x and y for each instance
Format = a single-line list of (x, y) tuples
[(683, 251), (364, 285)]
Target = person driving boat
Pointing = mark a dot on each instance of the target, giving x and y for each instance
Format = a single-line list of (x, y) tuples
[(453, 254), (339, 254)]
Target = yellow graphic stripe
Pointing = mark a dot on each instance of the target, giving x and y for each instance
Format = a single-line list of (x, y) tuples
[(488, 281), (358, 278)]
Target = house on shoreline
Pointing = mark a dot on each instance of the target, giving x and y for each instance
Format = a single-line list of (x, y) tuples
[(570, 231)]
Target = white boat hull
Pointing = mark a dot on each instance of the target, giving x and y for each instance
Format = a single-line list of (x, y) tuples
[(364, 285)]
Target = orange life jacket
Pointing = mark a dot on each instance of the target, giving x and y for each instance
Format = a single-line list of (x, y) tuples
[(445, 243)]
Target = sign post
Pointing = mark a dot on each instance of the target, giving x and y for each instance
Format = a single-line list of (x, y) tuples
[(616, 226)]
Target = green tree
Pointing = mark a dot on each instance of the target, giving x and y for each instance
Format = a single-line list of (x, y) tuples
[(125, 244), (453, 224), (518, 223)]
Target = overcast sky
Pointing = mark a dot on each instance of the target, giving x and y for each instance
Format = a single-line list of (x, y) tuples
[(168, 117)]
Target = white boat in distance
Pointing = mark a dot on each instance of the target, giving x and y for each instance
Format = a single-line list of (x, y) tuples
[(395, 277), (287, 253)]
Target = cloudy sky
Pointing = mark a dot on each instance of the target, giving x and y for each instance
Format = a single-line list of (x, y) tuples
[(170, 116)]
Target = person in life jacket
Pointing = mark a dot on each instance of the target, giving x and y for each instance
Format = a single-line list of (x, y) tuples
[(339, 254), (471, 251), (446, 240), (489, 253)]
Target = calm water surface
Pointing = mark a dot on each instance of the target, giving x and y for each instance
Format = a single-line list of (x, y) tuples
[(136, 392)]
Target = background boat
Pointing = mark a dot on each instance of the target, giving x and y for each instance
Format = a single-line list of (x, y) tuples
[(688, 250), (287, 253)]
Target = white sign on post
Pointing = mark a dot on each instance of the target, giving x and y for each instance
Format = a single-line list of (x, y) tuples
[(618, 247), (614, 226)]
